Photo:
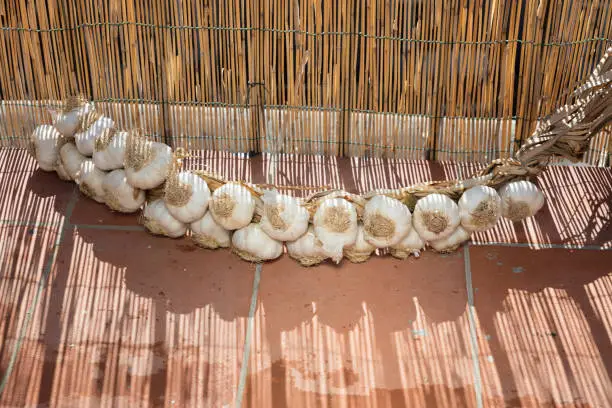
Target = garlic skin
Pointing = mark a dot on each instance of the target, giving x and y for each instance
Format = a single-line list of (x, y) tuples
[(520, 200), (68, 121), (411, 244), (148, 164), (335, 225), (307, 249), (61, 171), (85, 140), (206, 233), (232, 206), (70, 159), (451, 242), (119, 195), (254, 245), (158, 221), (186, 196), (284, 219), (90, 181), (361, 250), (435, 216), (479, 208), (386, 221), (43, 146), (109, 149)]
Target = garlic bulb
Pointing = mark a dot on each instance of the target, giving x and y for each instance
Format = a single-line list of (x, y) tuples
[(67, 120), (43, 146), (119, 195), (386, 221), (284, 219), (70, 159), (109, 149), (90, 181), (451, 242), (61, 171), (186, 196), (208, 234), (147, 163), (232, 206), (361, 250), (252, 244), (307, 249), (520, 200), (412, 244), (92, 126), (158, 221), (335, 225), (479, 208), (435, 217)]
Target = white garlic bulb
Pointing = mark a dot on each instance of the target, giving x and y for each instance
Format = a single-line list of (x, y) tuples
[(70, 159), (61, 171), (411, 244), (109, 149), (43, 146), (67, 119), (361, 250), (208, 234), (158, 221), (254, 245), (186, 196), (479, 208), (435, 216), (520, 200), (119, 195), (307, 249), (90, 181), (86, 138), (335, 225), (232, 206), (451, 242), (284, 218), (147, 163), (386, 221)]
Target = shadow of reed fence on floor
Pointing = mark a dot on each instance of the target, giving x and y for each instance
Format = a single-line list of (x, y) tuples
[(446, 80)]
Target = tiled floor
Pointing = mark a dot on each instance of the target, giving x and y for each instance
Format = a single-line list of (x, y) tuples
[(95, 312)]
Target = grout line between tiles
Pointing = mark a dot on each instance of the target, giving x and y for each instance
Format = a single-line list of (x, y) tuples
[(41, 284), (244, 369), (472, 322)]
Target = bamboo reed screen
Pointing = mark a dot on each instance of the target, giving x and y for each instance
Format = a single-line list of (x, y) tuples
[(435, 79)]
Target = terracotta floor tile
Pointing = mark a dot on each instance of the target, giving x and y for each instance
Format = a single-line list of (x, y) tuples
[(385, 333), (16, 160), (544, 328), (88, 211)]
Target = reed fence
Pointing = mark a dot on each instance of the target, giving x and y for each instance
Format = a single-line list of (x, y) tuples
[(434, 79)]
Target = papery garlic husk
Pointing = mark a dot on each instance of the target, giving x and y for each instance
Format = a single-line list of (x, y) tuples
[(284, 218), (232, 206), (147, 163), (520, 200), (158, 221), (61, 171), (119, 195), (451, 242), (90, 181), (361, 250), (412, 244), (206, 233), (307, 249), (386, 221), (335, 225), (44, 146), (92, 126), (479, 208), (68, 119), (186, 196), (253, 245), (109, 149), (70, 159), (435, 216)]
